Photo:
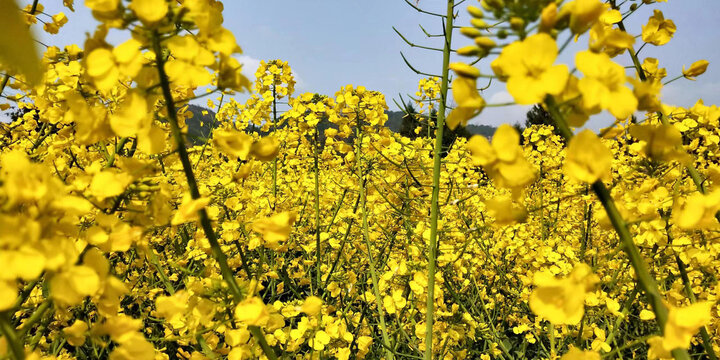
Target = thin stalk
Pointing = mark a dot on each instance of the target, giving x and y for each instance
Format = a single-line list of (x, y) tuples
[(6, 329), (4, 82), (366, 236), (707, 342), (161, 272), (275, 160), (646, 280), (36, 316), (434, 205), (318, 253), (217, 252)]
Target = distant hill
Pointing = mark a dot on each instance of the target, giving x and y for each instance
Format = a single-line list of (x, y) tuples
[(200, 124), (394, 123)]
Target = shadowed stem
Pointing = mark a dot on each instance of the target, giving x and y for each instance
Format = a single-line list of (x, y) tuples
[(366, 236), (646, 280), (217, 252), (7, 330)]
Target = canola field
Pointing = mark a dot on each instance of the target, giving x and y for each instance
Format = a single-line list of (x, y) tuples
[(318, 233)]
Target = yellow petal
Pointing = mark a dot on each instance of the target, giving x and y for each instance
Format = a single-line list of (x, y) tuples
[(252, 312), (588, 159), (149, 11)]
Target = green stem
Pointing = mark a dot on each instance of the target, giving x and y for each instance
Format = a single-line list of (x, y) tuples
[(646, 280), (220, 257), (161, 272), (318, 253), (4, 82), (366, 236), (7, 330), (36, 316), (707, 343), (275, 160), (435, 208)]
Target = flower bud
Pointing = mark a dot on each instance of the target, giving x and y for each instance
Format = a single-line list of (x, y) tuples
[(479, 23), (465, 70), (492, 4), (485, 42), (475, 11), (517, 23), (470, 32), (697, 68), (548, 17), (470, 50)]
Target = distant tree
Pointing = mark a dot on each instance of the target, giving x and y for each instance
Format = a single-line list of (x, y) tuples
[(410, 122), (520, 129), (539, 116)]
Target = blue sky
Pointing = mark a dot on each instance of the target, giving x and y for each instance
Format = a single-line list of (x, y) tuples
[(331, 43)]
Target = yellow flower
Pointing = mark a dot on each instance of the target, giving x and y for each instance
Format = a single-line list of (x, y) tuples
[(609, 40), (131, 116), (646, 315), (252, 312), (504, 159), (109, 183), (188, 210), (652, 69), (481, 152), (531, 78), (464, 70), (276, 228), (660, 142), (75, 333), (657, 350), (101, 68), (17, 48), (133, 347), (265, 149), (25, 263), (469, 102), (548, 17), (505, 211), (583, 14), (320, 340), (603, 86), (658, 31), (562, 301), (102, 5), (172, 308), (697, 68), (72, 285), (697, 211), (684, 322), (233, 143), (588, 159), (312, 306), (149, 11), (577, 354), (648, 94), (8, 294)]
